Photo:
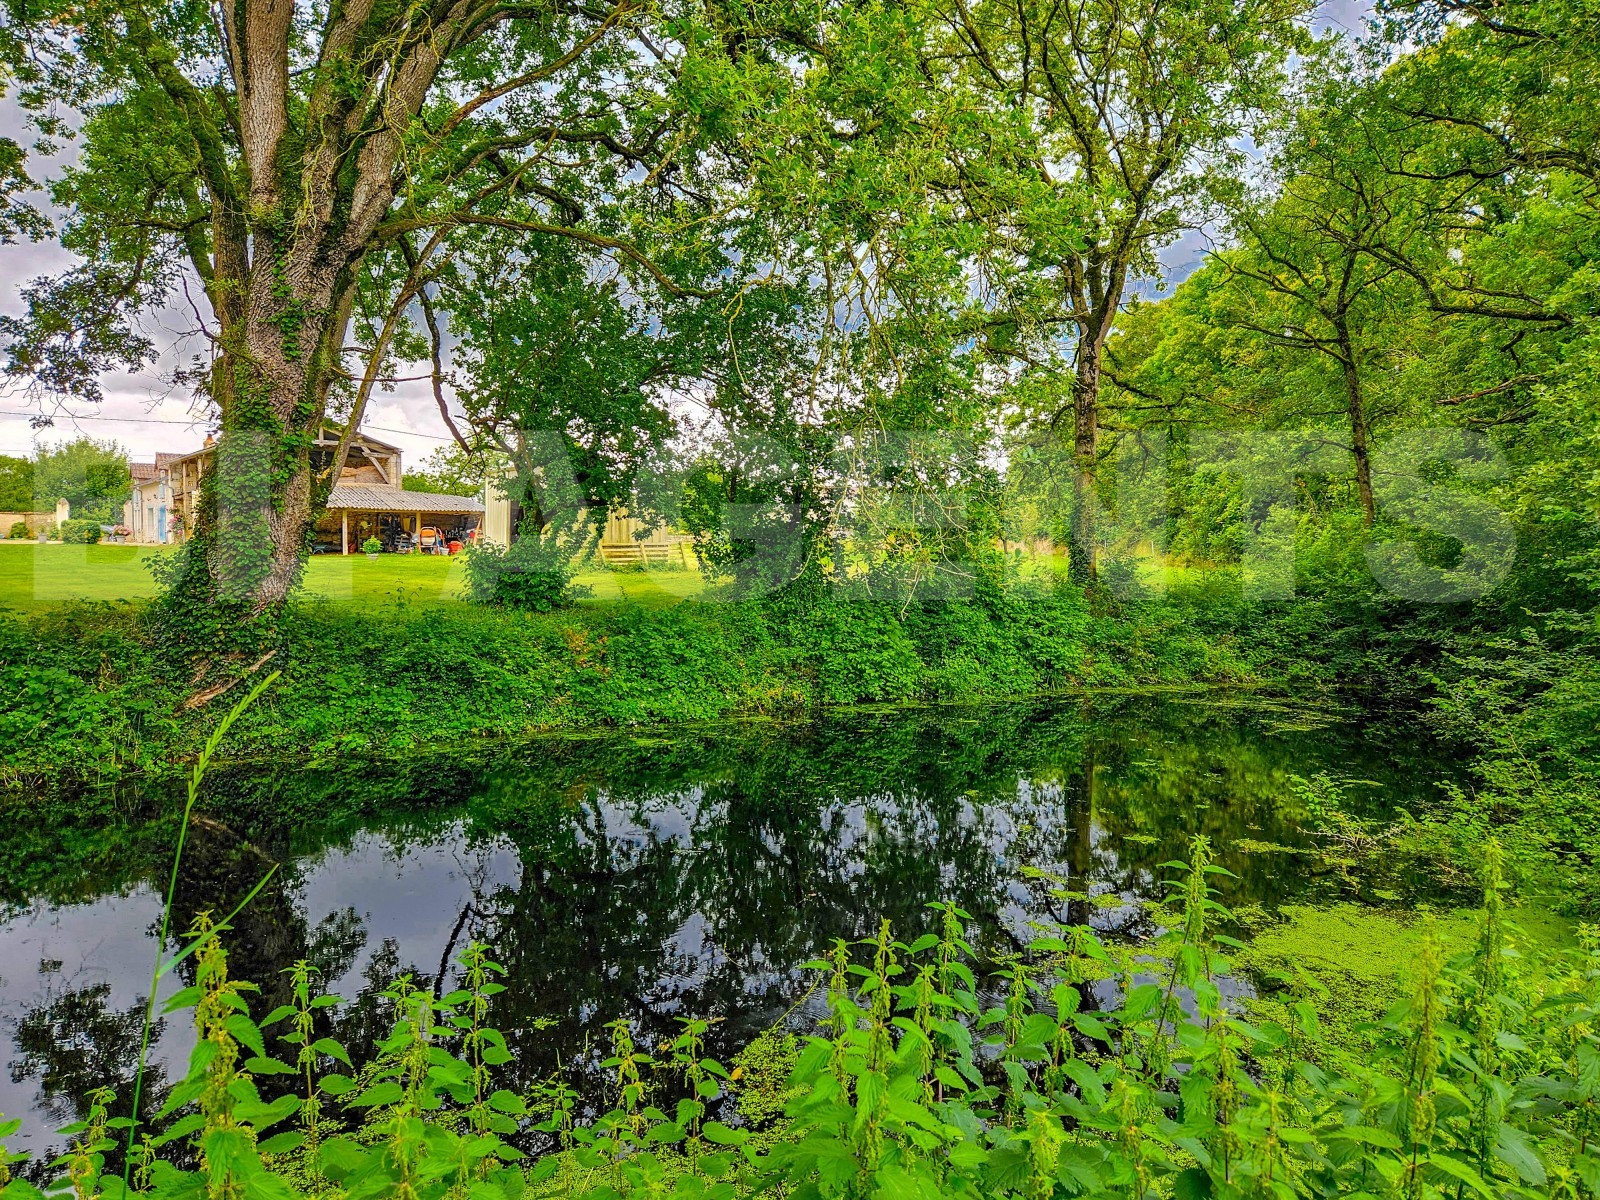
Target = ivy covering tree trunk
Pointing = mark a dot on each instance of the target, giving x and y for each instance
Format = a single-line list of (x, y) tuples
[(317, 172)]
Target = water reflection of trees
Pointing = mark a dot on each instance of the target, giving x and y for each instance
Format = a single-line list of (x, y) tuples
[(75, 1042), (691, 875), (704, 901)]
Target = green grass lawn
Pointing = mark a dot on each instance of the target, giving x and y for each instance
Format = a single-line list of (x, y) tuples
[(35, 577), (1158, 576)]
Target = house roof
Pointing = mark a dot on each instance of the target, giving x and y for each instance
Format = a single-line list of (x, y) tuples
[(330, 437), (325, 439), (146, 472), (374, 497), (174, 459)]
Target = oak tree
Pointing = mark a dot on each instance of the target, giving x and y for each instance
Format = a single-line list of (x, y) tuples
[(296, 175), (1134, 110)]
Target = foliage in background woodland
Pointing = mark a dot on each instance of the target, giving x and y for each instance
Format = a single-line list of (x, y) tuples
[(93, 477)]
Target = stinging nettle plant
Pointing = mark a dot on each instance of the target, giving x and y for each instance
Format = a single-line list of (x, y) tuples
[(922, 1081)]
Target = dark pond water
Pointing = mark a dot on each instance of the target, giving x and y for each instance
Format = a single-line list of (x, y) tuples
[(649, 877)]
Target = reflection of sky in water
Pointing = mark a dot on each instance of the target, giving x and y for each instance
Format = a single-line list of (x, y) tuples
[(410, 894), (414, 896), (109, 941), (631, 882)]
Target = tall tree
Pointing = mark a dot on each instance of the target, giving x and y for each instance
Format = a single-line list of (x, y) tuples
[(1508, 84), (1318, 260), (1134, 108), (16, 484), (449, 471), (564, 373), (313, 164), (93, 477)]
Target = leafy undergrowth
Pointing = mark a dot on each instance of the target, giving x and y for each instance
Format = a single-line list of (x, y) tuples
[(1482, 1080), (91, 692)]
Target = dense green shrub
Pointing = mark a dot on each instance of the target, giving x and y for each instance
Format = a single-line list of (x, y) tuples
[(398, 676), (19, 529), (1527, 709), (85, 695), (843, 649), (83, 533), (533, 573)]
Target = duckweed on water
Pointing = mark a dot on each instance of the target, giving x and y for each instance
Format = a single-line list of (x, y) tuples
[(1354, 962)]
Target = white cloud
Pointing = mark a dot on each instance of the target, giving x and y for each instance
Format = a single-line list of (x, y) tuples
[(142, 411)]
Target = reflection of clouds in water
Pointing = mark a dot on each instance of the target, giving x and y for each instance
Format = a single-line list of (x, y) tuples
[(109, 941), (662, 819), (688, 954), (852, 827), (409, 893)]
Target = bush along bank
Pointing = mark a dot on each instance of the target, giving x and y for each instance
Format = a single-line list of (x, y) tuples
[(93, 693), (924, 1079)]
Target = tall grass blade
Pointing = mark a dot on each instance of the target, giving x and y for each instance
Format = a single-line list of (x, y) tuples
[(195, 777)]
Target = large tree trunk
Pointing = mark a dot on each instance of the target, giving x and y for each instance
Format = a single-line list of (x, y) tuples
[(286, 247), (1356, 408), (301, 135), (279, 350)]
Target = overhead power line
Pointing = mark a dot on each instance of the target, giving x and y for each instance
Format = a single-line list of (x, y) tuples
[(5, 412)]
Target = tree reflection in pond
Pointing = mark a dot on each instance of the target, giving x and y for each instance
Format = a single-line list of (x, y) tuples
[(688, 874)]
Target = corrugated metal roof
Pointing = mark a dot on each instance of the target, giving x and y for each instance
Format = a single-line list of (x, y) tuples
[(373, 497)]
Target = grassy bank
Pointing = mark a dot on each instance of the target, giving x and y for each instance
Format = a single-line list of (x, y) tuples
[(379, 657), (93, 691), (396, 665)]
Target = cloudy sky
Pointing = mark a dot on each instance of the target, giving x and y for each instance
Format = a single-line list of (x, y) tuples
[(144, 414)]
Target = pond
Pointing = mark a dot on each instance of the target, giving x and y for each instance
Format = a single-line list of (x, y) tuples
[(683, 874)]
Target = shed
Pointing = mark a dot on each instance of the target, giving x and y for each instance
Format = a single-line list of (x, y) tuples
[(374, 510)]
